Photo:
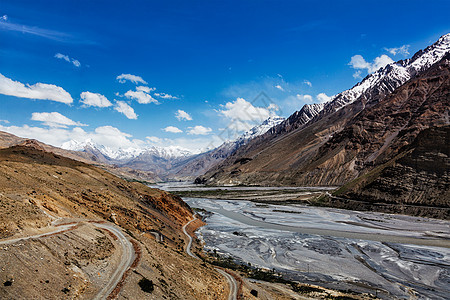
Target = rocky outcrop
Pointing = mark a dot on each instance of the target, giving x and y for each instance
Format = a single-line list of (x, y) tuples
[(417, 181)]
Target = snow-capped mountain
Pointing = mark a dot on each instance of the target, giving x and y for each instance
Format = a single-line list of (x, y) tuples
[(204, 161), (169, 152), (360, 128), (254, 132), (388, 78), (124, 154), (258, 129), (373, 87), (166, 161), (297, 119)]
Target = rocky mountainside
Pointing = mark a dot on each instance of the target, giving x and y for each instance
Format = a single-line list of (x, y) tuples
[(64, 205), (416, 181), (201, 163), (355, 132), (372, 89)]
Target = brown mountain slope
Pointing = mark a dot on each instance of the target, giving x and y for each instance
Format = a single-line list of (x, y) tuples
[(343, 145), (92, 191), (416, 181), (41, 192)]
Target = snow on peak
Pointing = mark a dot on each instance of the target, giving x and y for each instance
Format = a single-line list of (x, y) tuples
[(423, 59), (168, 152), (394, 74), (260, 129), (126, 153)]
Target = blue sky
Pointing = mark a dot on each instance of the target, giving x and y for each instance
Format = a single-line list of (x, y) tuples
[(204, 61)]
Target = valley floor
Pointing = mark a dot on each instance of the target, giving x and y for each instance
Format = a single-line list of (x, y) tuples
[(389, 255)]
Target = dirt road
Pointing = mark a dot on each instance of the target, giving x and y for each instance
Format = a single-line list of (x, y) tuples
[(231, 281), (128, 253), (128, 256)]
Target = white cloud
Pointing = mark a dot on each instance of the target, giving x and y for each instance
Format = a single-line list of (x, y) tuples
[(322, 97), (94, 99), (403, 50), (182, 115), (235, 129), (165, 96), (62, 56), (108, 136), (358, 62), (199, 130), (41, 91), (141, 95), (154, 139), (295, 103), (127, 110), (4, 121), (245, 111), (243, 115), (54, 119), (122, 78), (74, 61), (306, 98), (145, 89), (308, 83), (34, 30), (279, 87), (380, 62), (357, 74), (172, 129)]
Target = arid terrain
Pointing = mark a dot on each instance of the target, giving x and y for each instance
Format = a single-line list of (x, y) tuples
[(76, 215)]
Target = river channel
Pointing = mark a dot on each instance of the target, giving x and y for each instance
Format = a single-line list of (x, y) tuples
[(394, 256)]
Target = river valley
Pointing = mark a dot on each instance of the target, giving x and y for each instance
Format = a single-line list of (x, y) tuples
[(382, 254)]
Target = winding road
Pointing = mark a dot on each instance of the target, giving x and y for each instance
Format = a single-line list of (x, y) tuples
[(128, 253), (58, 229), (231, 281), (128, 256)]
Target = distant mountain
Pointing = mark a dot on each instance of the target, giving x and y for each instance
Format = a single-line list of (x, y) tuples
[(90, 155), (171, 162), (138, 161), (334, 145), (107, 153), (202, 162), (125, 154)]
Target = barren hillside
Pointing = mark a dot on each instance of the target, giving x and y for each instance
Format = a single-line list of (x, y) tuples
[(62, 204)]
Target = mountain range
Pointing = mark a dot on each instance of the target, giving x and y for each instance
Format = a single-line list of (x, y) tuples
[(372, 140), (356, 137), (171, 162)]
